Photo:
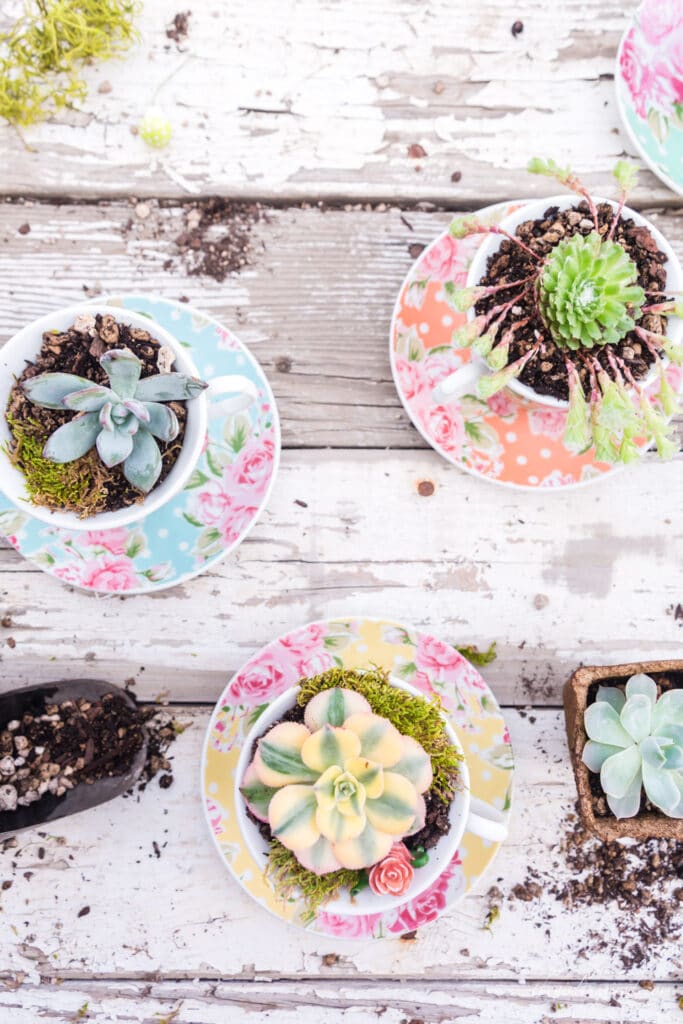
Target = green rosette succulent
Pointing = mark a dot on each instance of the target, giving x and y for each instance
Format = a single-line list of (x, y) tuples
[(636, 744), (587, 292), (122, 421), (341, 787)]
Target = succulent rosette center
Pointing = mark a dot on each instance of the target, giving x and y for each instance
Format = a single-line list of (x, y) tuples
[(341, 788), (588, 292)]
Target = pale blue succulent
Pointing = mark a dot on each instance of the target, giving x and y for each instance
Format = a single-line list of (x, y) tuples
[(121, 420), (636, 742)]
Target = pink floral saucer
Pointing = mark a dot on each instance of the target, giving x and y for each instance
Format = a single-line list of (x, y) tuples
[(506, 439), (209, 518), (430, 665)]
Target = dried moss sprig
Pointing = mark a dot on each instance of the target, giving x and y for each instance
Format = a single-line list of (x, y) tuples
[(291, 880), (586, 292), (418, 717), (73, 487), (41, 57)]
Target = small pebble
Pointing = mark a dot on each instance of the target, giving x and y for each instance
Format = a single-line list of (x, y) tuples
[(8, 798), (517, 28)]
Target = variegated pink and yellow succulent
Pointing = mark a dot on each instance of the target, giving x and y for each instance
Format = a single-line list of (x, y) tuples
[(340, 788)]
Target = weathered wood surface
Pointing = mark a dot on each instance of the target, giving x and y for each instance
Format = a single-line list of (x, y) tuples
[(589, 576), (331, 1002), (181, 915), (314, 306), (320, 98)]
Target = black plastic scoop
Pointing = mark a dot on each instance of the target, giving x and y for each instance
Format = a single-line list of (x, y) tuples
[(50, 807)]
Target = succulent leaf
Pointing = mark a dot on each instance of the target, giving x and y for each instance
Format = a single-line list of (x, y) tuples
[(626, 175), (278, 760), (90, 399), (292, 816), (73, 439), (394, 811), (169, 387), (612, 695), (577, 433), (368, 848), (639, 683), (114, 446), (333, 707), (162, 422), (50, 389), (123, 369), (652, 759), (142, 468), (256, 794), (329, 746), (379, 740), (588, 293), (414, 764), (619, 771)]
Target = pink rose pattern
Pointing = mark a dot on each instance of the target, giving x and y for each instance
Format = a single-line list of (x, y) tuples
[(227, 503), (651, 59)]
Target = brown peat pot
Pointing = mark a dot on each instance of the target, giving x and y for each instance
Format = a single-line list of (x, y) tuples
[(644, 825)]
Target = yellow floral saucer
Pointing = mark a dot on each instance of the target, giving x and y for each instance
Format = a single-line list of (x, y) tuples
[(428, 664)]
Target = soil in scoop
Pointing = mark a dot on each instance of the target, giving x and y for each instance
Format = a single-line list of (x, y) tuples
[(85, 486), (437, 822), (54, 748), (665, 681), (546, 373)]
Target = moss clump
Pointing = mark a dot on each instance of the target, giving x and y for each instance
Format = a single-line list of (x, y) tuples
[(42, 55), (419, 717), (292, 880), (69, 487)]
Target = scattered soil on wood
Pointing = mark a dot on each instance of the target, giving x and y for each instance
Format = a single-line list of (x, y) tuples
[(78, 351), (643, 881), (546, 373), (179, 28), (217, 240), (665, 681)]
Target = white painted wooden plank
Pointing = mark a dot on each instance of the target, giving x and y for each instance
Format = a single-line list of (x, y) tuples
[(316, 97), (592, 575), (182, 915), (330, 1002), (315, 305)]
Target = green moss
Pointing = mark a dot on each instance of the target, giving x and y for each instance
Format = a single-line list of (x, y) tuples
[(42, 55), (477, 657), (73, 486), (419, 717), (291, 880)]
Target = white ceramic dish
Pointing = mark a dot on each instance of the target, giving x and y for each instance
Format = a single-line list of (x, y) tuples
[(467, 814), (24, 347), (464, 381)]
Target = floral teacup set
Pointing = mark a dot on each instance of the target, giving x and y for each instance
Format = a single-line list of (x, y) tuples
[(356, 774)]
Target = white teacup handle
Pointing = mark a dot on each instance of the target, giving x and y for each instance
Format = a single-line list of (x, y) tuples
[(485, 821), (460, 382), (241, 390)]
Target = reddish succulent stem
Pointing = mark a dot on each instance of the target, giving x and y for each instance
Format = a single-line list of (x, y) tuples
[(659, 307), (617, 215), (490, 289), (646, 335), (495, 230)]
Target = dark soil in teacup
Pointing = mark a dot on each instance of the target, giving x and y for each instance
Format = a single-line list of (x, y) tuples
[(96, 488), (665, 681), (546, 373)]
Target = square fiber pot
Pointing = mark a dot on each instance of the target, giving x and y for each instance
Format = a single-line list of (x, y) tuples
[(642, 826)]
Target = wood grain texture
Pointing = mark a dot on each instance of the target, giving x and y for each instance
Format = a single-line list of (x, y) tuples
[(589, 576), (331, 1002), (314, 306), (181, 915), (318, 98)]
